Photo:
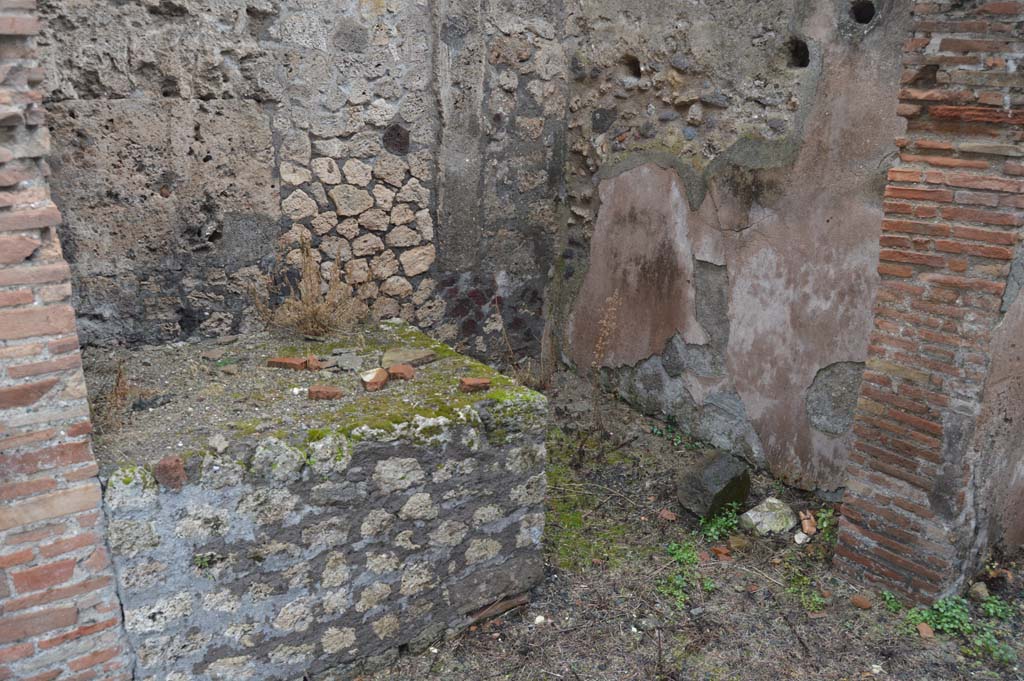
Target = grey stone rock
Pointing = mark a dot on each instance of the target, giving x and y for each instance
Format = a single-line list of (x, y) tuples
[(680, 62), (717, 478), (277, 460), (978, 592), (414, 356), (601, 120), (833, 396), (771, 516), (348, 361), (218, 443)]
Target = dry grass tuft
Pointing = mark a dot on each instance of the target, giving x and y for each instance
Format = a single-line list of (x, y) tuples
[(310, 308), (112, 407)]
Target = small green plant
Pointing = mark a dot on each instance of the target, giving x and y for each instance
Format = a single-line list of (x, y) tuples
[(678, 585), (677, 437), (685, 554), (799, 584), (985, 643), (827, 526), (949, 615), (204, 561), (997, 608), (721, 525), (952, 616), (812, 601), (892, 604), (317, 434), (709, 585), (669, 433)]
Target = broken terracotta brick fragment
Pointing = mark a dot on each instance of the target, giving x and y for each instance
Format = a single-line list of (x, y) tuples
[(293, 363), (170, 472), (474, 385), (324, 392), (402, 372), (374, 380)]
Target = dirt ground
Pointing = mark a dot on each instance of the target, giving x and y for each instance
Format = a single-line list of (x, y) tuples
[(635, 593)]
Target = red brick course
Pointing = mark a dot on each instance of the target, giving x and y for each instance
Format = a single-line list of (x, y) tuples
[(58, 613), (952, 226)]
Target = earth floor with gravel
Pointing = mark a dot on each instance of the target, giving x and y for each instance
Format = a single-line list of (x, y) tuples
[(635, 591)]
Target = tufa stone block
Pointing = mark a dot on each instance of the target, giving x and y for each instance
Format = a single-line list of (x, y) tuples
[(715, 479), (771, 516), (413, 356)]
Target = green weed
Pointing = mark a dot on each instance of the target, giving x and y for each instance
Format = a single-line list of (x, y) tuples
[(721, 525), (997, 608), (575, 536), (204, 561), (892, 604), (678, 438), (800, 585), (679, 585), (828, 526), (952, 616), (984, 642)]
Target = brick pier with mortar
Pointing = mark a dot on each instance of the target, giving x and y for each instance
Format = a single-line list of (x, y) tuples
[(936, 475), (59, 613)]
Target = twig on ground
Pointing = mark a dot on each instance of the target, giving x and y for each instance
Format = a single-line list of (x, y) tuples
[(754, 570), (566, 487)]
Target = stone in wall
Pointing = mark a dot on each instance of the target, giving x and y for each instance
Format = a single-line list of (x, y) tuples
[(999, 434), (317, 538), (780, 215)]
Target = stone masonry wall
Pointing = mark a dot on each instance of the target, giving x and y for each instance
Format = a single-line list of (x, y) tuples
[(936, 475), (196, 145), (724, 170), (502, 83), (59, 614), (324, 563)]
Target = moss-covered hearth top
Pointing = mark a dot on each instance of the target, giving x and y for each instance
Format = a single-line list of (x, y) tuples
[(220, 397)]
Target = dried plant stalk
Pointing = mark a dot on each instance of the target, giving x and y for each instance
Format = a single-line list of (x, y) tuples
[(111, 408), (308, 308), (606, 329)]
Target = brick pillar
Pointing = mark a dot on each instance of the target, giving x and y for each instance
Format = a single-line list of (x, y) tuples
[(914, 514), (59, 613)]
